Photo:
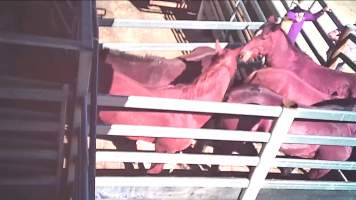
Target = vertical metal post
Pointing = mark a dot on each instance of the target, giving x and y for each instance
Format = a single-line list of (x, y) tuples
[(82, 87), (268, 154), (200, 15), (256, 7), (63, 120), (83, 154), (93, 110)]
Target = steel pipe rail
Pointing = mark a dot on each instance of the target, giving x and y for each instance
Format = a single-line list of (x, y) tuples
[(323, 140), (170, 182), (217, 134), (179, 24), (220, 107), (152, 157), (157, 103), (158, 46), (324, 114), (309, 185), (155, 131), (235, 160), (219, 182), (320, 164)]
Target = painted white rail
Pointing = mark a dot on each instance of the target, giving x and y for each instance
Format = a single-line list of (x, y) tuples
[(263, 163)]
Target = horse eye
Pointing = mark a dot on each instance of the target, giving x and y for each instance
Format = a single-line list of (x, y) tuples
[(258, 33)]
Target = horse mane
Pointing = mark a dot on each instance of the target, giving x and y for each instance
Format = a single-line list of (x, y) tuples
[(272, 27), (133, 57), (347, 104)]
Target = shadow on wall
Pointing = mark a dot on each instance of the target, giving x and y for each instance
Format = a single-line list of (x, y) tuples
[(177, 10)]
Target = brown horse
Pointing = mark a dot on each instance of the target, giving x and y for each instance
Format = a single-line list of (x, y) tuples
[(154, 71), (253, 94), (211, 85), (273, 43), (288, 84)]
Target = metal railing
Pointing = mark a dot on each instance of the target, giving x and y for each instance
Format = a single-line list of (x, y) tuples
[(263, 163)]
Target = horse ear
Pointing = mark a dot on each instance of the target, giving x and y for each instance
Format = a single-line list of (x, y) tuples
[(218, 48)]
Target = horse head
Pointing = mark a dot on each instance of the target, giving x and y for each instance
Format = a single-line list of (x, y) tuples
[(267, 41)]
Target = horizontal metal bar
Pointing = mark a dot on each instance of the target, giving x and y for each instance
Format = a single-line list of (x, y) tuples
[(41, 41), (15, 154), (170, 182), (219, 182), (220, 107), (309, 185), (325, 140), (32, 94), (17, 82), (320, 164), (28, 168), (175, 158), (235, 160), (209, 134), (180, 24), (23, 143), (188, 105), (217, 134), (322, 114), (29, 125), (28, 181), (158, 46)]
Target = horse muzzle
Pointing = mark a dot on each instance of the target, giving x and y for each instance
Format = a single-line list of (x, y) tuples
[(249, 57)]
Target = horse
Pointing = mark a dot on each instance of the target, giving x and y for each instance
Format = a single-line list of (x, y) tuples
[(211, 85), (271, 41), (254, 94), (288, 84), (155, 71)]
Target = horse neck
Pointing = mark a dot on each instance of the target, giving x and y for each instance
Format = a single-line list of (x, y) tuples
[(283, 54), (213, 83), (254, 94)]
